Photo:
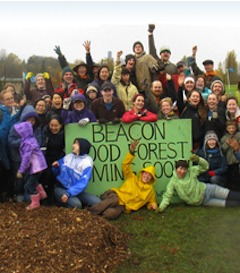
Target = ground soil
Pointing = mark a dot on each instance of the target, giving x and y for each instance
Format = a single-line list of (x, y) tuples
[(55, 240)]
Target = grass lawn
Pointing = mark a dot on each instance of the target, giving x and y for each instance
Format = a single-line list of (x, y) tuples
[(182, 239)]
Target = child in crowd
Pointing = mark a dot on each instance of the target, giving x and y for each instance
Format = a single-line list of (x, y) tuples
[(73, 173), (32, 164), (233, 175), (211, 151), (80, 113), (30, 115), (185, 182), (91, 94), (134, 193)]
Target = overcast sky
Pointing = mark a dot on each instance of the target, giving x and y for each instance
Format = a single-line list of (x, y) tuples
[(30, 27)]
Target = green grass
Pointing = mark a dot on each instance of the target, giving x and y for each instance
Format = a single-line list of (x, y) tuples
[(183, 239)]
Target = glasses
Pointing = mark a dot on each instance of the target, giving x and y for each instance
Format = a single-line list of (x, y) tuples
[(9, 99)]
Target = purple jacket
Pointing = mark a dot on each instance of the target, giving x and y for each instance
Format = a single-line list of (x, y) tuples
[(32, 158), (74, 116)]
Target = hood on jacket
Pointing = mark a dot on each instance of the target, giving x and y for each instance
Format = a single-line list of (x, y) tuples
[(151, 170), (27, 112), (84, 145), (79, 97), (24, 129)]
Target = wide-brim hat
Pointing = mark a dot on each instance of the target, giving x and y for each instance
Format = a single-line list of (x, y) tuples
[(75, 69)]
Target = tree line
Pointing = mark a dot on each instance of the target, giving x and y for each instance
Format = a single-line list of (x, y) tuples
[(11, 66)]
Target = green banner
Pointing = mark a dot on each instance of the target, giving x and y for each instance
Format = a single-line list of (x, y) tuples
[(161, 143)]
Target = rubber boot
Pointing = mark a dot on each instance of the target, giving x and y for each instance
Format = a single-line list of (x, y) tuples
[(35, 198), (41, 191)]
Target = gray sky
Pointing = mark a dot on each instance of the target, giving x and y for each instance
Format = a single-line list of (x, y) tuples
[(31, 27)]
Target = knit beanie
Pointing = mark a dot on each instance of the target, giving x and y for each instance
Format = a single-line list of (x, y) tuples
[(189, 79), (165, 49), (66, 69), (137, 43), (182, 163), (220, 82), (210, 135), (91, 88), (129, 57)]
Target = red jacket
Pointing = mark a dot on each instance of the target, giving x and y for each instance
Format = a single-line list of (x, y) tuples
[(131, 116), (68, 91)]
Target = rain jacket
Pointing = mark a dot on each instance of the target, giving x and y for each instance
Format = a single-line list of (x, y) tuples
[(133, 193), (32, 158), (189, 189), (75, 171), (13, 137)]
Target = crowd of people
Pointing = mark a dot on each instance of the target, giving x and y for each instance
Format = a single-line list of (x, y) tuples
[(145, 87)]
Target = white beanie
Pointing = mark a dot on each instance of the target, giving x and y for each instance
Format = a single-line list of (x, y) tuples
[(189, 79)]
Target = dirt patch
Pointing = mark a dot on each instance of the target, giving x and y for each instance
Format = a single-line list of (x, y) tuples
[(54, 240)]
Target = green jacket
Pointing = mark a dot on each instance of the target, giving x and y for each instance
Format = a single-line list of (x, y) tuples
[(125, 92), (189, 189)]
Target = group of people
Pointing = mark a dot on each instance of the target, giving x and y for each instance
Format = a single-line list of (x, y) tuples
[(146, 87)]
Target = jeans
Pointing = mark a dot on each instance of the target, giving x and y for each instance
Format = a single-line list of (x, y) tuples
[(32, 180), (215, 196), (84, 198)]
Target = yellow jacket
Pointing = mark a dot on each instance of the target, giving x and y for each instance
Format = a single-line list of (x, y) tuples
[(134, 194)]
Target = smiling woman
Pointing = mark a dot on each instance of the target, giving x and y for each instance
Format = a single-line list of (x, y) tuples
[(138, 112)]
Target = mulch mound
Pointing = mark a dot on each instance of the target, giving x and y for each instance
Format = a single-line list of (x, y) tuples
[(54, 240)]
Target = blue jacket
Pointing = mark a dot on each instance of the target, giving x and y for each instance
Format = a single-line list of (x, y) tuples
[(74, 173), (217, 163), (7, 122)]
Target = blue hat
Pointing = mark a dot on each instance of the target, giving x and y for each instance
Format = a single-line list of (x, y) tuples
[(79, 97)]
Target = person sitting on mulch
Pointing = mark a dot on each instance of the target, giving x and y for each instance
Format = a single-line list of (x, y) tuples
[(185, 182), (73, 172), (134, 193)]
